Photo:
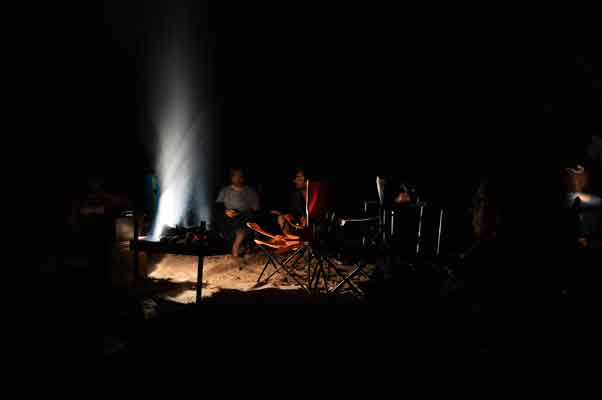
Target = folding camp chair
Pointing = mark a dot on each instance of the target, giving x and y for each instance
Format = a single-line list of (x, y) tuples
[(284, 252), (382, 238)]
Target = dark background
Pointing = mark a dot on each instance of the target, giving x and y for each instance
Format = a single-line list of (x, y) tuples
[(443, 97), (347, 93)]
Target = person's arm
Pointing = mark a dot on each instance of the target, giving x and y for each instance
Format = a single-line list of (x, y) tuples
[(221, 197), (221, 205)]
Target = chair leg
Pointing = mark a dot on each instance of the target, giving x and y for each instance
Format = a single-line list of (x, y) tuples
[(348, 280), (298, 253), (324, 276), (320, 272), (276, 269), (267, 263), (295, 256), (308, 264), (296, 280), (315, 277), (270, 260), (364, 274), (263, 270), (317, 268)]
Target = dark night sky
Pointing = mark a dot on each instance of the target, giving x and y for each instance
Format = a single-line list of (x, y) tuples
[(360, 92)]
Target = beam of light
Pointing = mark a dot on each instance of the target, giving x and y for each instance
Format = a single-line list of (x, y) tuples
[(179, 112)]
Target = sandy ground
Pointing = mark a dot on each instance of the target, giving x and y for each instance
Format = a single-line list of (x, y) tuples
[(170, 289), (223, 273)]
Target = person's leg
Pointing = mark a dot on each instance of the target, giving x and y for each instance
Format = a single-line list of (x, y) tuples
[(240, 229), (281, 222), (239, 236), (247, 242), (284, 225), (224, 227)]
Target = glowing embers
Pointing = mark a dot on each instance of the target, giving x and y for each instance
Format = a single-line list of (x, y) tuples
[(187, 236)]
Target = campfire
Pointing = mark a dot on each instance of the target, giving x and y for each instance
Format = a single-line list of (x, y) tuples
[(181, 235)]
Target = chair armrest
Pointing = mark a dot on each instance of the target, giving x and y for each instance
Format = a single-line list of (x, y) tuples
[(343, 222)]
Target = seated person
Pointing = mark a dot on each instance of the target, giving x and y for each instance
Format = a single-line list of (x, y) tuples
[(577, 184), (93, 202), (296, 214), (393, 191), (239, 203), (485, 211), (580, 198), (522, 253), (576, 179), (405, 195)]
